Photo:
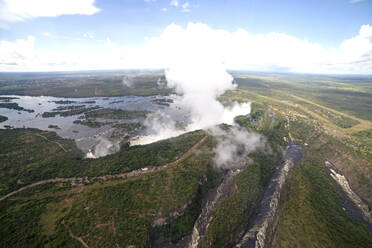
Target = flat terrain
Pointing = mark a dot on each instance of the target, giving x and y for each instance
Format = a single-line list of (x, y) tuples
[(84, 84), (145, 196)]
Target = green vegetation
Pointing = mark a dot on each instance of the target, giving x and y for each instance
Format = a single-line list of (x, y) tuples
[(3, 118), (128, 127), (118, 101), (345, 94), (330, 114), (163, 101), (22, 163), (339, 120), (72, 110), (270, 124), (237, 209), (364, 134), (64, 102), (311, 214), (91, 123), (115, 114), (309, 121), (72, 107), (154, 154), (81, 84), (7, 99), (15, 106), (114, 213), (54, 126), (239, 206), (182, 226)]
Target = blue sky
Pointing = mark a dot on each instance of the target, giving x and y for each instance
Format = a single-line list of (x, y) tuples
[(131, 22)]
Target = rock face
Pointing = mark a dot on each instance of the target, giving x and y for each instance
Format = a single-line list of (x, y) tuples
[(256, 234), (210, 206), (357, 209)]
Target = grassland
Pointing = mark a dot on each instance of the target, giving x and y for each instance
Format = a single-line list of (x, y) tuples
[(312, 213), (115, 212), (349, 146), (22, 163), (87, 84), (122, 212), (349, 95)]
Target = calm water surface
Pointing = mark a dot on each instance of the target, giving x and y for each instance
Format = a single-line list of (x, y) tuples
[(84, 136)]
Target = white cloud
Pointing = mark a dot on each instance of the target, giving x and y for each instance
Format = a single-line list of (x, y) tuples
[(21, 10), (149, 1), (186, 7), (174, 3), (236, 50), (163, 9), (355, 1), (357, 46)]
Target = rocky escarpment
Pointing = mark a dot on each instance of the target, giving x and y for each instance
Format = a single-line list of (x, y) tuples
[(353, 204), (256, 233), (210, 205)]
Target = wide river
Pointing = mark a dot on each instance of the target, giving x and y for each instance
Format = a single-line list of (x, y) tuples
[(85, 137)]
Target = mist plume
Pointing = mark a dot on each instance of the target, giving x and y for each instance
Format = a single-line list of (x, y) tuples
[(103, 147), (127, 81), (197, 74), (234, 144)]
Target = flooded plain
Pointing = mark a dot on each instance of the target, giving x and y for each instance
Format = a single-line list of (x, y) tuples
[(86, 137)]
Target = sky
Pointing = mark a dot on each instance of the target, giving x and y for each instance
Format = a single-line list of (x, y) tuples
[(328, 36)]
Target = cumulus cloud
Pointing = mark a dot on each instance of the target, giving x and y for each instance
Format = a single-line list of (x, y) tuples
[(236, 50), (357, 46), (24, 57), (17, 52), (21, 10)]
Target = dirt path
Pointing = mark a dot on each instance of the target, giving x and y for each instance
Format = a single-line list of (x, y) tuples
[(130, 174), (363, 124), (75, 237), (55, 142)]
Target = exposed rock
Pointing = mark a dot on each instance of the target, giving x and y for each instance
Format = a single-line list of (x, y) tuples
[(256, 235)]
